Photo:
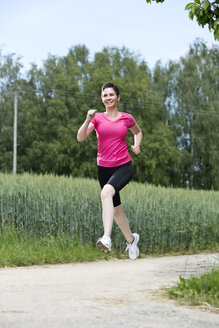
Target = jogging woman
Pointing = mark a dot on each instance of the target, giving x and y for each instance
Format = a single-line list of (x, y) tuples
[(114, 163)]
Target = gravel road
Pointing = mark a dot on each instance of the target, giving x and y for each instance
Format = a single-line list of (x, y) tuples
[(118, 293)]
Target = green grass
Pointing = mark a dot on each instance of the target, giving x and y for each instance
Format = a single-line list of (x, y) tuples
[(17, 248), (197, 290)]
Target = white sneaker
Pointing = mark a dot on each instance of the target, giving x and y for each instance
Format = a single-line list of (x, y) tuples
[(133, 248), (104, 244)]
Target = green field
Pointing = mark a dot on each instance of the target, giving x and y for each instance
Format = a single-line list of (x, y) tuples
[(168, 220)]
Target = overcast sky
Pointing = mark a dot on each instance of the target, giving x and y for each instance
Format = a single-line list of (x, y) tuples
[(35, 29)]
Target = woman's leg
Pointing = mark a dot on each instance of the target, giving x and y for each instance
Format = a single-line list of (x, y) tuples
[(132, 239), (122, 222), (107, 194), (116, 178), (111, 203)]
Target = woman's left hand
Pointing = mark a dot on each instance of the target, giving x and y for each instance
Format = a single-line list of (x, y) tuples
[(135, 150)]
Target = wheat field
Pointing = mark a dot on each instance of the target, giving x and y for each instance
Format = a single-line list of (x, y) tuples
[(167, 219)]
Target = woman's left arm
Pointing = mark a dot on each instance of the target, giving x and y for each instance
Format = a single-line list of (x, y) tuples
[(136, 130)]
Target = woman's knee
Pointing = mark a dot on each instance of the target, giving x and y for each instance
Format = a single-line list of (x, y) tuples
[(107, 191)]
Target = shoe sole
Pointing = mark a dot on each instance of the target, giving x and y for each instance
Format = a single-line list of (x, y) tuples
[(102, 247), (137, 255)]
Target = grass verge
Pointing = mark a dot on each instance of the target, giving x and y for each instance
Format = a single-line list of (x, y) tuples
[(20, 249), (196, 291)]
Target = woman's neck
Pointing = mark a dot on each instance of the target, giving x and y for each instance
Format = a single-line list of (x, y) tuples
[(112, 112)]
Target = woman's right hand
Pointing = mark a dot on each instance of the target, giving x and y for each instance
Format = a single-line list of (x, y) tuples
[(90, 114)]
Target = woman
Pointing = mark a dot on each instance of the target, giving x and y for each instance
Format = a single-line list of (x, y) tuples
[(114, 163)]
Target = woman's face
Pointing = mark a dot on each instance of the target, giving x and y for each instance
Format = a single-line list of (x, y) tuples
[(109, 97)]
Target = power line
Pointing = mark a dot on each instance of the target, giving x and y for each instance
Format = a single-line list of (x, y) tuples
[(141, 104)]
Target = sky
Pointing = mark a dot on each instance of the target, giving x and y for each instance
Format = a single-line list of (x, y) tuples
[(36, 29)]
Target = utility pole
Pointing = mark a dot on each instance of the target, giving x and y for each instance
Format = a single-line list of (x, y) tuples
[(15, 134)]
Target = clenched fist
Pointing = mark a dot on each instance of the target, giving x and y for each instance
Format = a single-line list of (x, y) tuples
[(90, 114), (135, 150)]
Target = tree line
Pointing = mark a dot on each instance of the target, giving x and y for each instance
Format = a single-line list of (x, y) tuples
[(176, 104)]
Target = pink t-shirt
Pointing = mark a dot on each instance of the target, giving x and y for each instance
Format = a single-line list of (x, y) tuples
[(111, 138)]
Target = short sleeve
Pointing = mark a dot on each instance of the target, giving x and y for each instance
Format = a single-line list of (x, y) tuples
[(94, 121), (131, 121)]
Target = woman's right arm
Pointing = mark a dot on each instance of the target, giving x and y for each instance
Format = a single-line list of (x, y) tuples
[(87, 127)]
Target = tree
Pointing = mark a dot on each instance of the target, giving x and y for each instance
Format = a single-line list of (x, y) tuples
[(55, 118), (190, 87), (175, 105), (206, 13)]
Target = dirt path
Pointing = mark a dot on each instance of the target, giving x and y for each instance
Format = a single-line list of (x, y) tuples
[(118, 293)]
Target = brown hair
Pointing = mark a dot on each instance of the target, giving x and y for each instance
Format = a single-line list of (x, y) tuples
[(111, 85)]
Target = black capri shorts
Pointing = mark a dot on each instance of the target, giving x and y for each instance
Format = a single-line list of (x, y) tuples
[(118, 177)]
